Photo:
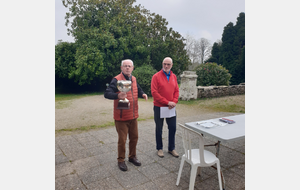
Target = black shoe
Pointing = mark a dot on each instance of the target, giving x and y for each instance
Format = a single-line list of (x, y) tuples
[(122, 166), (135, 161)]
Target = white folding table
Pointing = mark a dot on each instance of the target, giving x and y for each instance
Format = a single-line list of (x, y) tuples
[(229, 132)]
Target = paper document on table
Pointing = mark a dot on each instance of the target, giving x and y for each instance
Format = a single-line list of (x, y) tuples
[(165, 112), (211, 123), (207, 124)]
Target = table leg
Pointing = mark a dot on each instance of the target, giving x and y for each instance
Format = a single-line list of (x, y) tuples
[(218, 148)]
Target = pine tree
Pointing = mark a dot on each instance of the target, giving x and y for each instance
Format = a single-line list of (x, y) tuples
[(231, 52)]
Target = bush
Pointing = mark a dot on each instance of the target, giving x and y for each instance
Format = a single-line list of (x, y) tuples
[(212, 74), (143, 76)]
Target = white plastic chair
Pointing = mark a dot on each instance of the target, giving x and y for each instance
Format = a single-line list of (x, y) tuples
[(196, 157)]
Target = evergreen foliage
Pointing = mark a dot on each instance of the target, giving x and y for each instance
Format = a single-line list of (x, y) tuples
[(143, 76), (64, 58), (106, 32), (212, 74), (231, 52)]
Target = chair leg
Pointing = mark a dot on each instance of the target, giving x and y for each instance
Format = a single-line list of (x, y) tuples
[(219, 175), (180, 171), (193, 177)]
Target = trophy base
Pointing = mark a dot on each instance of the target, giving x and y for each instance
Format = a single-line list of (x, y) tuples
[(123, 105)]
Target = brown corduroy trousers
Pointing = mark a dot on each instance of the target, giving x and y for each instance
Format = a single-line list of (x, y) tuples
[(123, 128)]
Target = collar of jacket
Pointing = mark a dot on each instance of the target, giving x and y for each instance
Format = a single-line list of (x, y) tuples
[(126, 77)]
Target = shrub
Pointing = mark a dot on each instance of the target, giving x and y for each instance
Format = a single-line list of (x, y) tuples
[(143, 76), (212, 74)]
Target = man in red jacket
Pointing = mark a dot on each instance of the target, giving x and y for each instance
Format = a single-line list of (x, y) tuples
[(126, 119), (165, 92)]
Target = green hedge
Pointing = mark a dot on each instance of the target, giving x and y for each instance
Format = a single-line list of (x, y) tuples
[(143, 76), (212, 74)]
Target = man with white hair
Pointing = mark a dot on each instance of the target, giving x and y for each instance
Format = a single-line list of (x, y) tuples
[(165, 92), (126, 119)]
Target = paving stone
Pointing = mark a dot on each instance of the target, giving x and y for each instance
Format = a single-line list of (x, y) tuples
[(130, 179), (100, 134), (234, 144), (233, 180), (68, 182), (153, 170), (71, 147), (82, 135), (168, 182), (112, 131), (63, 169), (147, 186), (241, 149), (109, 139), (93, 174), (57, 149), (147, 148), (210, 183), (97, 150), (209, 172), (229, 157), (89, 143), (170, 162), (112, 147), (64, 139), (60, 158), (94, 165), (113, 168), (144, 159), (107, 157), (109, 183), (149, 137), (85, 163), (239, 169), (78, 154)]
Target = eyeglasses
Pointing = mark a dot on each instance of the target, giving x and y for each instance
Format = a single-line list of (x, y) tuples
[(168, 64), (127, 66)]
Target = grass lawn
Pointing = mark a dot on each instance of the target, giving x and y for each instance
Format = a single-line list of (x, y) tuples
[(220, 104), (60, 97)]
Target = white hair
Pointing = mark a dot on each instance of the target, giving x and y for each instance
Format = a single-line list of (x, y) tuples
[(127, 60)]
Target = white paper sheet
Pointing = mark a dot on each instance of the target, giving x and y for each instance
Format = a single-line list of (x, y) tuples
[(165, 112), (211, 123)]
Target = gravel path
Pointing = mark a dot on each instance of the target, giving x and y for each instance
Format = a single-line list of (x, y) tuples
[(96, 110)]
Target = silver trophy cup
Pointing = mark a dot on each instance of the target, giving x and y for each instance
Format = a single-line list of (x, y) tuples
[(124, 86)]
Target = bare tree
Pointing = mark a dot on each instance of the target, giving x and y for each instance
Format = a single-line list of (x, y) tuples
[(192, 52), (197, 50), (204, 49)]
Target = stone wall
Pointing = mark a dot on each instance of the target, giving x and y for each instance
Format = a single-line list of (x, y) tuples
[(219, 91), (188, 89)]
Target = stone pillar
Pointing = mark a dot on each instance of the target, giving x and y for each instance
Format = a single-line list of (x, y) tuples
[(188, 88)]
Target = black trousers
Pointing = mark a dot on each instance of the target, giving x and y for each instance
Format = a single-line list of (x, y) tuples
[(159, 127)]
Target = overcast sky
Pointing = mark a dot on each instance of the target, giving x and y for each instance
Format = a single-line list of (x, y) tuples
[(198, 18)]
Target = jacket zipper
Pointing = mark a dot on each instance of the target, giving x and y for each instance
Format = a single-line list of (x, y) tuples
[(132, 102)]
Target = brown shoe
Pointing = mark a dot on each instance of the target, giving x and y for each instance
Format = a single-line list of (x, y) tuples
[(122, 166), (160, 153), (174, 153), (135, 161)]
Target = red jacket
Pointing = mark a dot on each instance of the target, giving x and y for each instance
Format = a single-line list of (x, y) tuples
[(132, 96), (164, 91)]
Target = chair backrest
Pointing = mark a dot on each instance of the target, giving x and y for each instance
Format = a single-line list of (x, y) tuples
[(187, 138)]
